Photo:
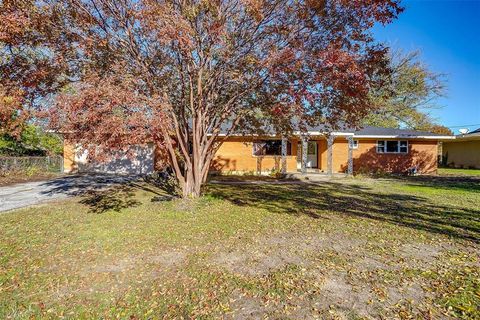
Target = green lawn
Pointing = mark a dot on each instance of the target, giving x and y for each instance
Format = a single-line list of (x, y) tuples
[(459, 172), (344, 249)]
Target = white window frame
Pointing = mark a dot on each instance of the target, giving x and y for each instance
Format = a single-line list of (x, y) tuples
[(399, 147), (354, 144)]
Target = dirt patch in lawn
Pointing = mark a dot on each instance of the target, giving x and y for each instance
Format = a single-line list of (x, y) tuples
[(329, 275), (337, 293), (246, 307), (424, 253), (121, 273), (344, 280), (166, 259), (272, 253)]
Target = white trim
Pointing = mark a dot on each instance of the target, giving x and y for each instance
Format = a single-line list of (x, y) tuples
[(398, 146), (347, 134), (353, 146), (310, 133), (324, 133), (247, 135), (403, 137), (467, 137)]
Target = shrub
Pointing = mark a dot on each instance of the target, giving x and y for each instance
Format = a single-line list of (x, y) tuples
[(275, 173), (32, 171)]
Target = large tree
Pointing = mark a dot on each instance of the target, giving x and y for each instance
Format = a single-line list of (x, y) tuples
[(180, 72), (31, 66), (407, 95)]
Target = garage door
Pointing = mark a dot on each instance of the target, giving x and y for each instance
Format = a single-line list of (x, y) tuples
[(141, 163)]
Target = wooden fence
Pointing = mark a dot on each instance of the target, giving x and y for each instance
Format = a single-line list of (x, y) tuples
[(49, 164)]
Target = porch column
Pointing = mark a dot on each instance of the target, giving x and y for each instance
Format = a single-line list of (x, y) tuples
[(330, 154), (304, 153), (350, 155), (284, 155)]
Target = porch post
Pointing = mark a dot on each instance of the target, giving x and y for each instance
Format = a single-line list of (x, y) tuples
[(304, 153), (259, 165), (284, 155), (330, 154), (350, 156)]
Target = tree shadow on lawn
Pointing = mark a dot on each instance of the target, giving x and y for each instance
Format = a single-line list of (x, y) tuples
[(104, 192), (114, 198), (81, 184), (313, 199), (118, 197)]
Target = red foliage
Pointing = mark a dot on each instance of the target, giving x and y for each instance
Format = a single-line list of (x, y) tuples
[(30, 69), (12, 117), (105, 115), (191, 68)]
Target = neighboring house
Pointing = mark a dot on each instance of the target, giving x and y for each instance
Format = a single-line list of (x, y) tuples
[(464, 151), (370, 149)]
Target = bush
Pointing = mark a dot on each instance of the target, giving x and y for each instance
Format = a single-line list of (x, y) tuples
[(33, 142), (32, 171), (277, 174), (369, 172)]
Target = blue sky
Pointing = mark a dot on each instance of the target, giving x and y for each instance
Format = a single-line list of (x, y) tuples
[(447, 33)]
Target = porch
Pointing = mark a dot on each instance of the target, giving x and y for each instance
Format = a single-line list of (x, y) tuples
[(314, 175), (315, 154)]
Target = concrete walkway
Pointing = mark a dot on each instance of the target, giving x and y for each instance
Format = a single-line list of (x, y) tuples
[(31, 193), (292, 178)]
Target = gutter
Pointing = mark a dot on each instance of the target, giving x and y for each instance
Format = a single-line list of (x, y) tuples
[(405, 137), (349, 134)]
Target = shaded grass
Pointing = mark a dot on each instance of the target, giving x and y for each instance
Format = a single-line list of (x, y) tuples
[(141, 258), (416, 202)]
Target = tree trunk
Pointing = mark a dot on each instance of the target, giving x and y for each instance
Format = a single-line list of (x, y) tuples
[(195, 177), (191, 188)]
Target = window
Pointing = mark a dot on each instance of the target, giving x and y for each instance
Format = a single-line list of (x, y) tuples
[(380, 146), (270, 148), (392, 146), (354, 144), (312, 148)]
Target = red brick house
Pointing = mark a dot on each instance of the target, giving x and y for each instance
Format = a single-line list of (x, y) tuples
[(371, 149)]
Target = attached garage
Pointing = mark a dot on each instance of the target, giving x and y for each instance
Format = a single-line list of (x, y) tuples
[(141, 163)]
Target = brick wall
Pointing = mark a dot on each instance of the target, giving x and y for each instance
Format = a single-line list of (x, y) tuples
[(68, 156), (236, 155), (421, 153)]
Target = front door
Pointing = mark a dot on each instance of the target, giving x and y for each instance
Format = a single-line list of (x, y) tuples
[(312, 155)]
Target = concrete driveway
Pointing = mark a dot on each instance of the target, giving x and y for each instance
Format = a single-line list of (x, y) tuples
[(31, 193)]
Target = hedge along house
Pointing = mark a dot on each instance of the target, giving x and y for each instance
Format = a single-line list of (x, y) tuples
[(371, 149)]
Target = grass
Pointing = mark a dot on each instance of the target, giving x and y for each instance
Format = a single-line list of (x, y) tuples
[(345, 248), (457, 172)]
